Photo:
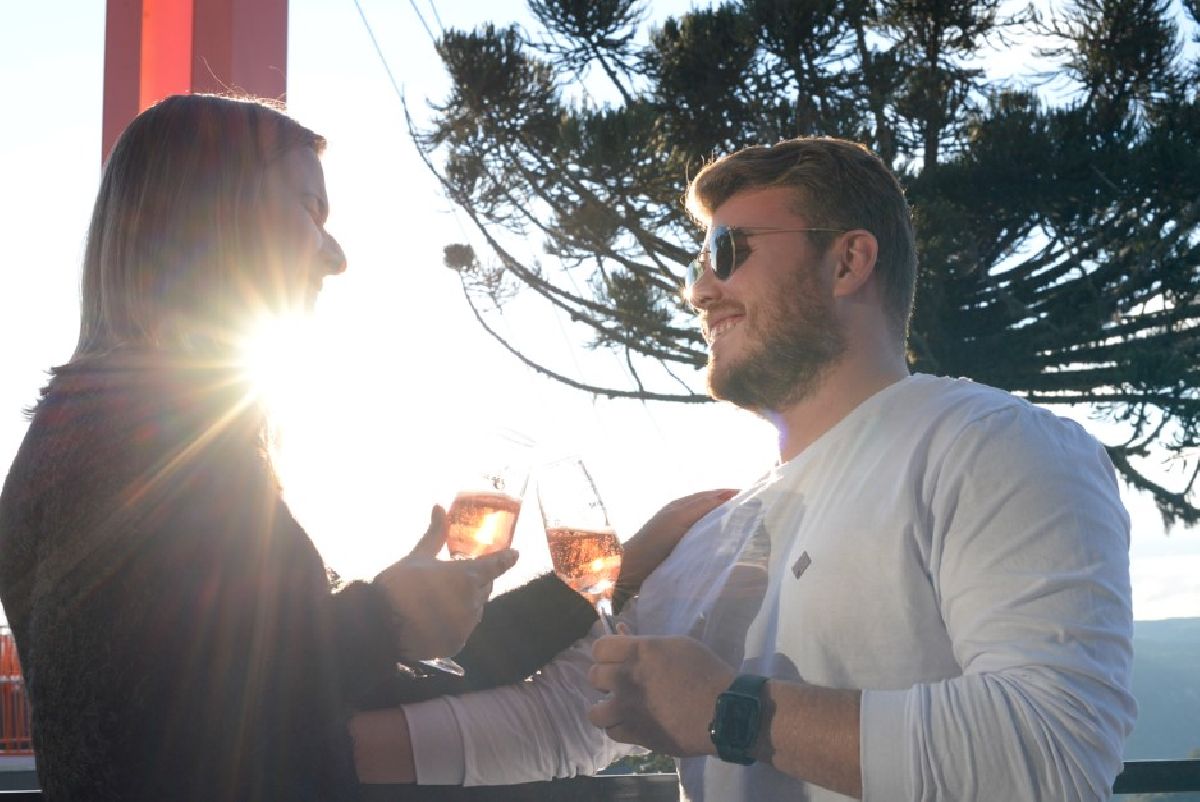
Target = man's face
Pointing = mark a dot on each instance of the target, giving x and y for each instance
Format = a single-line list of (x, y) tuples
[(770, 325)]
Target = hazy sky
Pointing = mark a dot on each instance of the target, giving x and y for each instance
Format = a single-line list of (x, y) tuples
[(400, 376)]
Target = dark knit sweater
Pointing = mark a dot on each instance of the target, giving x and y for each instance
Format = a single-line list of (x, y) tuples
[(178, 633)]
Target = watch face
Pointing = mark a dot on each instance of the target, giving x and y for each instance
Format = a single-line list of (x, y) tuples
[(736, 720)]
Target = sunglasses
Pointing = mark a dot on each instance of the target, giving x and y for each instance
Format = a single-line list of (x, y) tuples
[(725, 248)]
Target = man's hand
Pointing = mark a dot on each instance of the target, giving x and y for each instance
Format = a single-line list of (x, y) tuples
[(643, 552), (662, 692), (438, 602)]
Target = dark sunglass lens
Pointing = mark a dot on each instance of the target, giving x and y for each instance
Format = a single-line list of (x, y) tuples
[(723, 253)]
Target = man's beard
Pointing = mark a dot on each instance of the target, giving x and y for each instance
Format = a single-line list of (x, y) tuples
[(792, 343)]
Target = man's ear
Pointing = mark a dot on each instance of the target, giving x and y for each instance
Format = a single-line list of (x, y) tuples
[(856, 261)]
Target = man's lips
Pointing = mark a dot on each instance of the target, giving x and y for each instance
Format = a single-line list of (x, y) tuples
[(714, 331)]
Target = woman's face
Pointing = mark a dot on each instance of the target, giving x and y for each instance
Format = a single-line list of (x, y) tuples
[(300, 253)]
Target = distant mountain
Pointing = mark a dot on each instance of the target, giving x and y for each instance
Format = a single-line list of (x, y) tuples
[(1166, 684)]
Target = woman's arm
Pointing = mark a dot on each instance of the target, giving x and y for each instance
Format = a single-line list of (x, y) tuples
[(657, 538), (521, 631), (526, 731)]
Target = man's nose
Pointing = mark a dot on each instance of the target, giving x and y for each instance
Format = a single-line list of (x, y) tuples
[(706, 289)]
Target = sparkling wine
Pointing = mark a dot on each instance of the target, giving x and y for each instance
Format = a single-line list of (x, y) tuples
[(481, 523), (589, 560)]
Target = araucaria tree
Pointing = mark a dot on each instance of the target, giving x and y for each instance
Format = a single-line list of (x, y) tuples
[(1058, 219)]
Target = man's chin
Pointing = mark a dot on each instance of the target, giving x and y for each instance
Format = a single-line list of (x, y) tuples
[(762, 395), (722, 386)]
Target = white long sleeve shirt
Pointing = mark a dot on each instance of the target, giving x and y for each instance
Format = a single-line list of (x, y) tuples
[(957, 554)]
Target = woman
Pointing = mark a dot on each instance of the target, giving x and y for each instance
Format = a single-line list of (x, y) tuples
[(179, 633)]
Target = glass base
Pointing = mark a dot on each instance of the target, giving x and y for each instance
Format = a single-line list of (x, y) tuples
[(445, 665)]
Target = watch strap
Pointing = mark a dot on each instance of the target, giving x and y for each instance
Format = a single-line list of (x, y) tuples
[(735, 739), (747, 685)]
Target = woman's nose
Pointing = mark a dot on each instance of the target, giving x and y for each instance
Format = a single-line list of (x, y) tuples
[(333, 256)]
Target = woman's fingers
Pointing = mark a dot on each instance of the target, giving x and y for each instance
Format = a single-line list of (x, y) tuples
[(435, 536)]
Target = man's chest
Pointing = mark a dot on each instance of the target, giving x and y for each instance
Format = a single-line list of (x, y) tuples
[(845, 596)]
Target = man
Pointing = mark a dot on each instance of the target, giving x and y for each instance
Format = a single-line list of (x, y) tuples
[(927, 598)]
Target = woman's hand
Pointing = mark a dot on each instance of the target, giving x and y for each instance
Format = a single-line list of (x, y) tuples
[(438, 602), (654, 541)]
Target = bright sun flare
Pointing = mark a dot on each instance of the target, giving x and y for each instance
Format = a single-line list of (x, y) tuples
[(274, 358), (301, 370)]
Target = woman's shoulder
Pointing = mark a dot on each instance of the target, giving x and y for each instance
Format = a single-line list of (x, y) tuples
[(156, 399), (106, 422)]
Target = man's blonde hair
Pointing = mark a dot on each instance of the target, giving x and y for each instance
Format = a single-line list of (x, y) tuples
[(838, 184)]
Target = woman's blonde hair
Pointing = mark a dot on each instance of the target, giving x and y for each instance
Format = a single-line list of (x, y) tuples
[(176, 235)]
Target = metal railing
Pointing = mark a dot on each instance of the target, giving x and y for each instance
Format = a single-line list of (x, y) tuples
[(1139, 777), (14, 705), (1159, 777)]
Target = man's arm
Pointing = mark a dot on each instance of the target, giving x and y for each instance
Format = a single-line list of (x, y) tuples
[(1030, 563), (534, 730), (663, 692), (383, 753)]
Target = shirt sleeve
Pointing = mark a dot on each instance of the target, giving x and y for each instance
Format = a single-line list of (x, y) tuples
[(1029, 561), (525, 732), (437, 744)]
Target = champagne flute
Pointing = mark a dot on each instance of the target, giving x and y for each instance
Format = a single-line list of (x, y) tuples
[(483, 516), (482, 520), (583, 546)]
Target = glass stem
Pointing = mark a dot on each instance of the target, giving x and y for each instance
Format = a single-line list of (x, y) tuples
[(604, 609)]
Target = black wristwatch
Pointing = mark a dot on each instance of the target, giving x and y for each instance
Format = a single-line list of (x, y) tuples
[(734, 727)]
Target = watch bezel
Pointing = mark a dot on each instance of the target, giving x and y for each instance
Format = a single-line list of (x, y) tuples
[(737, 716)]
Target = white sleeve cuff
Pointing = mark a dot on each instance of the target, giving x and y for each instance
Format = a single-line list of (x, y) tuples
[(883, 744), (437, 743)]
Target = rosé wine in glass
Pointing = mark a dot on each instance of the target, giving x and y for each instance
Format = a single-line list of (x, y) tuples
[(481, 523), (583, 547), (589, 561)]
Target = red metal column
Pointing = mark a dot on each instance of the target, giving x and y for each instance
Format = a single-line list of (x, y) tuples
[(240, 46), (122, 61), (166, 50), (155, 48)]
